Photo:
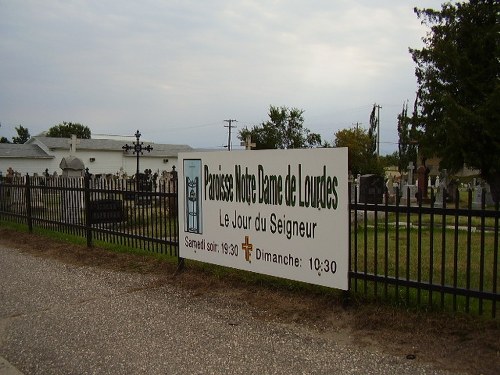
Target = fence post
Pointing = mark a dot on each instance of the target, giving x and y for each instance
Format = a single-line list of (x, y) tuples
[(88, 224), (346, 296), (28, 204), (174, 188), (345, 293), (2, 198)]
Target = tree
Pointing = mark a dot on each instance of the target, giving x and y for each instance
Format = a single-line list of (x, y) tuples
[(390, 160), (372, 131), (283, 130), (458, 74), (361, 156), (408, 139), (2, 138), (67, 129), (22, 135)]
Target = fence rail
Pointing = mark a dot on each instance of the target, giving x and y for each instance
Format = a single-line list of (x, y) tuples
[(415, 253), (113, 211), (425, 255)]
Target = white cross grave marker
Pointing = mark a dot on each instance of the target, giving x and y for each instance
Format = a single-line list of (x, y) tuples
[(72, 144), (411, 167), (248, 143)]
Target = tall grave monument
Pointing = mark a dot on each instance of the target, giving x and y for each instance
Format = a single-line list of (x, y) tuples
[(409, 189), (72, 173)]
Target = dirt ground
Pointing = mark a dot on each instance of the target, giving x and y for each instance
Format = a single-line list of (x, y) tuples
[(451, 342)]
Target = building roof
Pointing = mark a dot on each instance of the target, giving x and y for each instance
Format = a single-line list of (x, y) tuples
[(29, 151), (159, 150)]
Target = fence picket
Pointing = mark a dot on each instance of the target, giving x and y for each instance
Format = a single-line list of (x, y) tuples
[(464, 275)]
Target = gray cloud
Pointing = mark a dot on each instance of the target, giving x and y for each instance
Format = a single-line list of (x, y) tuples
[(176, 69)]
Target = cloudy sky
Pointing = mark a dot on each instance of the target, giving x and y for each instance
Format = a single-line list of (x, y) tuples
[(176, 69)]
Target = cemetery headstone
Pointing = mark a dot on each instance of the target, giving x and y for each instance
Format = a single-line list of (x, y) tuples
[(73, 142), (390, 190), (452, 191), (72, 200), (37, 203), (10, 175), (477, 196), (14, 196), (411, 167), (441, 188), (422, 174), (371, 189), (488, 196), (106, 211), (130, 187), (144, 187), (409, 190), (352, 185), (358, 179)]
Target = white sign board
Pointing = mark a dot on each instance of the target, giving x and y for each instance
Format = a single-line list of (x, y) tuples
[(277, 212)]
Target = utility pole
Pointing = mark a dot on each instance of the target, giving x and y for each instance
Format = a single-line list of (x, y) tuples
[(378, 129), (357, 124), (230, 126)]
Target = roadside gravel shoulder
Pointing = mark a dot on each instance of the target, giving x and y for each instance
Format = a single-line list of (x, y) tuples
[(220, 318)]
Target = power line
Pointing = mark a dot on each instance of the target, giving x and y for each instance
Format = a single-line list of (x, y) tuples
[(193, 126), (230, 126)]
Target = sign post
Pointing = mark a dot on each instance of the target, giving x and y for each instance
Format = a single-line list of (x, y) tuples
[(278, 212)]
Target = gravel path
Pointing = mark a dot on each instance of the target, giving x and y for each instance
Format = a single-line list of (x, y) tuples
[(57, 318)]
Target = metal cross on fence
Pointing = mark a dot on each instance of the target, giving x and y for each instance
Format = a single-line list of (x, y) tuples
[(138, 150)]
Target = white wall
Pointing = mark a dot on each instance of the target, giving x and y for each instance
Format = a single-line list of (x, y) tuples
[(105, 162), (27, 166)]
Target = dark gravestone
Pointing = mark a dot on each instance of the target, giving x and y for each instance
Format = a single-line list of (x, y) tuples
[(129, 193), (106, 211), (371, 189), (451, 191), (144, 188), (145, 185), (422, 178)]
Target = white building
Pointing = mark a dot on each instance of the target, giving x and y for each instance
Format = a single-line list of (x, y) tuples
[(100, 156)]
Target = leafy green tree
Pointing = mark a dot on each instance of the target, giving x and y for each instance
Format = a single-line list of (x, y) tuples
[(361, 156), (3, 139), (66, 129), (284, 129), (458, 75), (390, 160), (23, 135)]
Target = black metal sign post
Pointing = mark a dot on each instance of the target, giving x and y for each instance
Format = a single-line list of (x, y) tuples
[(138, 150)]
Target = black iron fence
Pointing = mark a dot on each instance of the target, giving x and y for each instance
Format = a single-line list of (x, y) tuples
[(426, 252), (124, 212), (432, 252)]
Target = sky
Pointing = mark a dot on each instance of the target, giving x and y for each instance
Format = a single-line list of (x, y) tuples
[(176, 69)]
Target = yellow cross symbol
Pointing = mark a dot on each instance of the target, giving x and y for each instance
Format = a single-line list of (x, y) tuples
[(247, 247)]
